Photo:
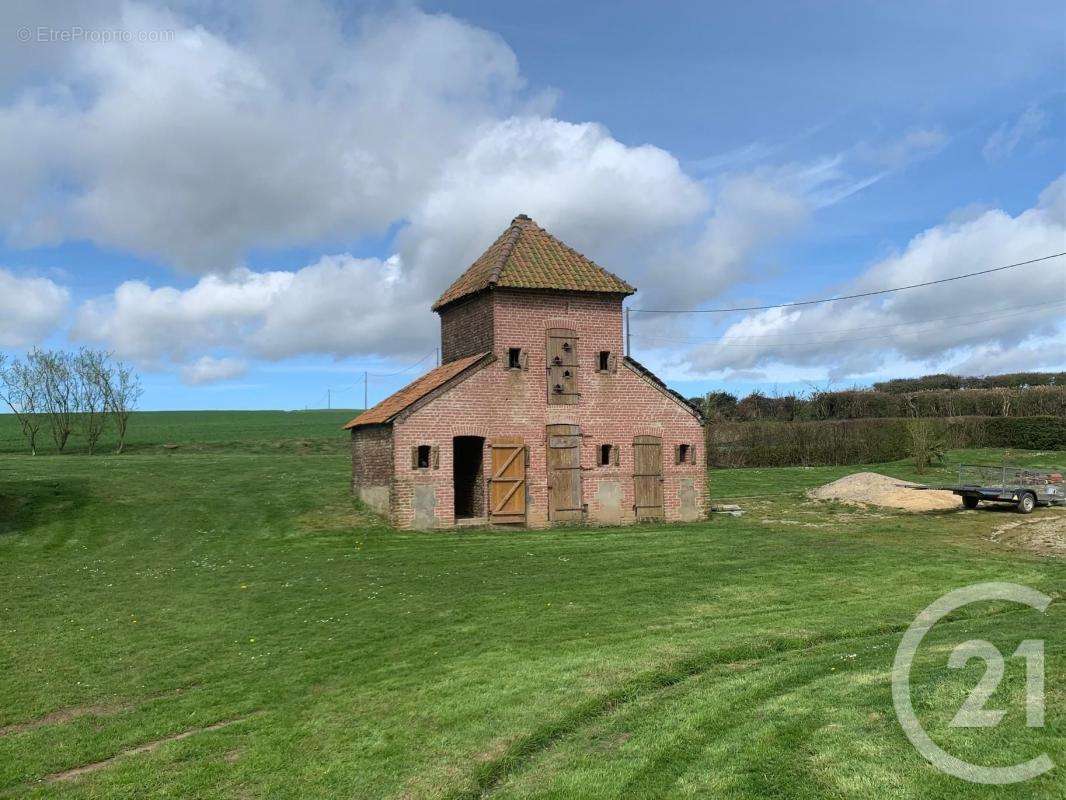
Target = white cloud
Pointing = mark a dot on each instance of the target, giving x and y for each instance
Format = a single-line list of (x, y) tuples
[(30, 308), (999, 311), (593, 192), (284, 130), (1006, 138), (208, 369), (289, 131), (291, 127), (339, 306), (751, 214), (197, 149), (1041, 353)]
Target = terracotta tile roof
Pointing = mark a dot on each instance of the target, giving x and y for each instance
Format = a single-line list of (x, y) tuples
[(526, 256), (414, 391)]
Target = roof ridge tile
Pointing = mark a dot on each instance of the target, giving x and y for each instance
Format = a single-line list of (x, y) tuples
[(527, 256)]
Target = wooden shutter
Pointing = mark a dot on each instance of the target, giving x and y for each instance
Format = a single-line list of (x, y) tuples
[(434, 457), (562, 366), (523, 360), (612, 362), (677, 454), (564, 474), (614, 454), (414, 457), (648, 477), (507, 487)]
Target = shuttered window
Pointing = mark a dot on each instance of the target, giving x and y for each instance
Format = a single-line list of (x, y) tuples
[(562, 367), (424, 456), (607, 455)]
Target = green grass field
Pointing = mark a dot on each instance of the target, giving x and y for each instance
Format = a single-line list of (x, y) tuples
[(206, 431), (229, 592)]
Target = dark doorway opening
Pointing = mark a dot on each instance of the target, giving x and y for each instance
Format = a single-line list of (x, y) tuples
[(469, 477)]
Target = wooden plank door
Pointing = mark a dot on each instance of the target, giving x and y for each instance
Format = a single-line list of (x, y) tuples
[(648, 477), (562, 367), (564, 474), (507, 487)]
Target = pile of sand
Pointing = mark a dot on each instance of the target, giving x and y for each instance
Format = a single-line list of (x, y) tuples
[(871, 489)]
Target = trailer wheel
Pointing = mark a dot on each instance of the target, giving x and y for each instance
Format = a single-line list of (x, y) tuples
[(969, 501), (1026, 503)]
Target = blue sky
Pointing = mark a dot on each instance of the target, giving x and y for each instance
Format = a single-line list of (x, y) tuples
[(256, 204)]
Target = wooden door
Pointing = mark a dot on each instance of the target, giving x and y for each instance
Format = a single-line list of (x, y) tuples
[(507, 487), (564, 474), (648, 477), (562, 367)]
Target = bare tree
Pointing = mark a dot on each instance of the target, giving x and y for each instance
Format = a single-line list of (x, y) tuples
[(59, 395), (22, 394), (123, 391), (91, 376)]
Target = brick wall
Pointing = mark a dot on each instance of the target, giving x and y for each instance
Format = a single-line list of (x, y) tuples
[(614, 407), (466, 328), (372, 466)]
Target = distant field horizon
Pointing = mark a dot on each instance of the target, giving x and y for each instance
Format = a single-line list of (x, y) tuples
[(262, 430)]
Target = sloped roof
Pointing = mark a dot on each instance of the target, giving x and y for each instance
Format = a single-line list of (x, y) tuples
[(526, 256), (413, 392)]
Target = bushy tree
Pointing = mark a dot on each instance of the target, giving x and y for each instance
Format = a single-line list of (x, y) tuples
[(720, 405)]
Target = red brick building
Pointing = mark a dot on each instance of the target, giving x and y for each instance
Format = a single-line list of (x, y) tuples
[(534, 417)]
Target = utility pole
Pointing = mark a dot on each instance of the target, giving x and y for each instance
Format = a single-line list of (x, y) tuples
[(438, 356), (329, 399), (629, 334), (365, 391)]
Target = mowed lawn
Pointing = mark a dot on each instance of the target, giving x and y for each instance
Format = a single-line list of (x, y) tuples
[(225, 622)]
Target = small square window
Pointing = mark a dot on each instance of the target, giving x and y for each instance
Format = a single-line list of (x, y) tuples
[(608, 454), (605, 360), (684, 454), (423, 456), (514, 358)]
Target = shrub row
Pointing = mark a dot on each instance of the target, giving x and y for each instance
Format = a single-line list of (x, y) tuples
[(1013, 380), (867, 441), (870, 404)]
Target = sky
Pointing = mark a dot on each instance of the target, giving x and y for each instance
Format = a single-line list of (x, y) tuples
[(257, 203)]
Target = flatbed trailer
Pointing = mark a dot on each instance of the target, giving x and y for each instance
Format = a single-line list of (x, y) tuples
[(1022, 487)]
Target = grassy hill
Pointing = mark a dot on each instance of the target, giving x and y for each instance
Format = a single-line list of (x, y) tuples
[(222, 621), (206, 431)]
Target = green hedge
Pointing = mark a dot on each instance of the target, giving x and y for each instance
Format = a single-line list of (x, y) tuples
[(1032, 433), (867, 441), (1035, 401), (1013, 380)]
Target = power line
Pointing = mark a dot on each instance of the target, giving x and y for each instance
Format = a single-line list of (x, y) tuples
[(405, 369), (846, 296), (792, 335), (365, 380), (726, 341)]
